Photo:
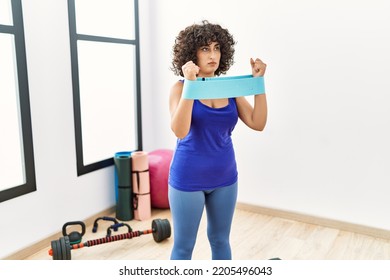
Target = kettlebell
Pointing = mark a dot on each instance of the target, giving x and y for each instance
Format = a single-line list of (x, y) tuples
[(75, 236)]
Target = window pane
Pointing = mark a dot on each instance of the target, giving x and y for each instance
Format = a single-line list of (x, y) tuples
[(107, 99), (12, 171), (5, 12), (107, 18)]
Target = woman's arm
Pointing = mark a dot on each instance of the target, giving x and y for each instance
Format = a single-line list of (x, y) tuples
[(181, 109), (254, 117)]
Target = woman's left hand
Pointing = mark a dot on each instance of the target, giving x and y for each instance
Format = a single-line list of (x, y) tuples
[(258, 67)]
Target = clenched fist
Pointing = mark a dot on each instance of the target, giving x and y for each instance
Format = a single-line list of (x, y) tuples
[(190, 70), (258, 67)]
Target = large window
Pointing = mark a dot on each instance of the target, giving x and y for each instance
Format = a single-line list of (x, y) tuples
[(105, 73), (17, 172)]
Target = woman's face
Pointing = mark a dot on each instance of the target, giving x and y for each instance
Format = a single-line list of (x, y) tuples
[(208, 59)]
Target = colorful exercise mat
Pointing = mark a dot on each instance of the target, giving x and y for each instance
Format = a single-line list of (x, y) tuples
[(141, 186)]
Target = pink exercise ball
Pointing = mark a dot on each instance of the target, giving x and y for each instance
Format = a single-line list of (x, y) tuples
[(159, 162)]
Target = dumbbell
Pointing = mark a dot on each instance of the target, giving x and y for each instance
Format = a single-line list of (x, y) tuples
[(61, 249)]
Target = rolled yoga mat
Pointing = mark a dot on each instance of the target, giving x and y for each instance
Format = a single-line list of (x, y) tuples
[(141, 185), (124, 207), (223, 87), (126, 154)]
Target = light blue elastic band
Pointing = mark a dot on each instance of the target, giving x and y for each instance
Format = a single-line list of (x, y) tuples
[(223, 87)]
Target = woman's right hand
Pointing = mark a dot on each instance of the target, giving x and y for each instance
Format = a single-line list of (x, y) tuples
[(190, 70)]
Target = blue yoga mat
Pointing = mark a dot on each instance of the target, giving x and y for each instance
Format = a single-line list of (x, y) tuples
[(123, 186), (117, 156)]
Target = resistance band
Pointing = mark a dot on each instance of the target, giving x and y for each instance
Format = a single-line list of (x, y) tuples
[(223, 87)]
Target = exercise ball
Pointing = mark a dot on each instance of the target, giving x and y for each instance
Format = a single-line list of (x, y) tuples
[(159, 162)]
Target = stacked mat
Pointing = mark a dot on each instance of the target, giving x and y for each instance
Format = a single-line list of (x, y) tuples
[(132, 186), (141, 186)]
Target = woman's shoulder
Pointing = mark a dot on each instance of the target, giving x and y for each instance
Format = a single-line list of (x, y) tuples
[(177, 86)]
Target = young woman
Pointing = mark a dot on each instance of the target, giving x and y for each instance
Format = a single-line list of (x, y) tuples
[(203, 171)]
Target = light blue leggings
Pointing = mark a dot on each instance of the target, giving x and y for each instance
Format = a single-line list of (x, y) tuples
[(187, 209)]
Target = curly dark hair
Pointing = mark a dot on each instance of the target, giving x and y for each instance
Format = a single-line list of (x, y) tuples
[(195, 36)]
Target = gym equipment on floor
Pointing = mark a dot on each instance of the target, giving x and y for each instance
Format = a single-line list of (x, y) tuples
[(75, 236), (61, 249)]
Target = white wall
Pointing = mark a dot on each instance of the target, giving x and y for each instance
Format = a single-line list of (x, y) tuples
[(61, 196), (324, 151)]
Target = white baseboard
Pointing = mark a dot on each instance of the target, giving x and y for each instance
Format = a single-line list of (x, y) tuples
[(344, 226)]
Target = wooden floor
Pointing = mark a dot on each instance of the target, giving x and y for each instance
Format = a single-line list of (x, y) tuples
[(254, 237)]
